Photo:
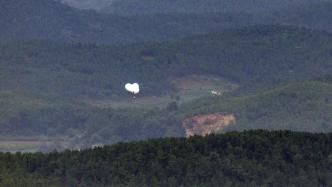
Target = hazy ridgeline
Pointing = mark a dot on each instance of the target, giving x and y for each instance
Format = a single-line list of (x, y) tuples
[(137, 7), (51, 20)]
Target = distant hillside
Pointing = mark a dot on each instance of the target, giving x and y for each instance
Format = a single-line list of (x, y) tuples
[(315, 16), (87, 4), (253, 158), (52, 20), (69, 124), (251, 57), (255, 55), (136, 7), (43, 84), (294, 106)]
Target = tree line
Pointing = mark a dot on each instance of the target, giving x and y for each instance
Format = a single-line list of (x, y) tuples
[(257, 158)]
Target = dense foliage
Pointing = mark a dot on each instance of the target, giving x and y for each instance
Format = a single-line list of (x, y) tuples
[(253, 158)]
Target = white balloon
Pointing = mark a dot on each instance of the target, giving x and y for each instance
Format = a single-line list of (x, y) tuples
[(132, 88), (128, 87), (136, 88)]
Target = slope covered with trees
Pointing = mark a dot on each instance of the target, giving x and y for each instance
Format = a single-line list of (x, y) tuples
[(256, 158), (251, 57), (314, 14), (52, 20)]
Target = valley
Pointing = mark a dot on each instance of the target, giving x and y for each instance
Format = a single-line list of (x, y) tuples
[(76, 91), (131, 93)]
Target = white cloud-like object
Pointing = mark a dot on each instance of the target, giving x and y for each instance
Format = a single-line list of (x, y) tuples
[(132, 88)]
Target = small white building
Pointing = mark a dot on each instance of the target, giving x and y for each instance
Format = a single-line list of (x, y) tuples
[(216, 93)]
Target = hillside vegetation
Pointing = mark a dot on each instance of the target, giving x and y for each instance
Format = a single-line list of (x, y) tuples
[(52, 20), (301, 106), (79, 125), (60, 91), (253, 158), (251, 57)]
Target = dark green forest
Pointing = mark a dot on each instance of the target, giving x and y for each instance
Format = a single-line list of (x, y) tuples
[(250, 158)]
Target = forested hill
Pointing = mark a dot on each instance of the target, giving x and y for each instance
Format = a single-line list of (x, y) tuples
[(316, 16), (251, 57), (52, 20), (313, 14), (252, 158)]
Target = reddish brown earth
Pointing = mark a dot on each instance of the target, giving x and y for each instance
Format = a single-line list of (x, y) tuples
[(207, 123)]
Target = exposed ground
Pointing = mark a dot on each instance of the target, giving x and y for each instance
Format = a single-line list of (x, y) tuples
[(208, 123)]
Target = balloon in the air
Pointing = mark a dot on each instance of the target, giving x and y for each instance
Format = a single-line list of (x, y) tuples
[(132, 88)]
